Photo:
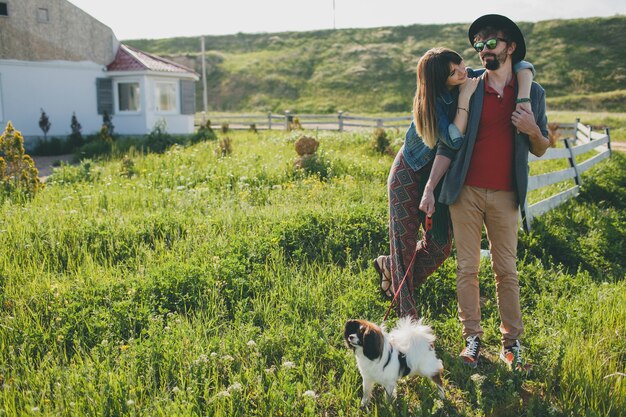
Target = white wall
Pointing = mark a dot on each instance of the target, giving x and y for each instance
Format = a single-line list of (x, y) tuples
[(59, 87), (62, 87)]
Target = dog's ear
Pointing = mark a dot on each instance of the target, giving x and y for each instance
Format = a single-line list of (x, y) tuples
[(373, 343), (352, 327)]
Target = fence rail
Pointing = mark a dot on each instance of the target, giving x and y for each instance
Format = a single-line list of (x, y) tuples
[(578, 139), (287, 121)]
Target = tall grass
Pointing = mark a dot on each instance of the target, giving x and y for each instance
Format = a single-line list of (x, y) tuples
[(209, 285)]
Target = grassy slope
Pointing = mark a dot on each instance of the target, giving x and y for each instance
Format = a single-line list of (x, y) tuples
[(373, 70), (219, 286)]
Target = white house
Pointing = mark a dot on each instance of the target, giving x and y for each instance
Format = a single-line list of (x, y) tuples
[(55, 57)]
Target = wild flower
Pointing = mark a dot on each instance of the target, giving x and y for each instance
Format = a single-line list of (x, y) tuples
[(236, 387), (289, 365), (309, 394), (251, 343), (223, 394), (228, 358), (130, 403)]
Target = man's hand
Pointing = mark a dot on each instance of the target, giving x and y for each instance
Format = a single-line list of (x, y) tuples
[(427, 205)]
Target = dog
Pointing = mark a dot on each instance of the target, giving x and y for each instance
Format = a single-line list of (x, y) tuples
[(383, 358)]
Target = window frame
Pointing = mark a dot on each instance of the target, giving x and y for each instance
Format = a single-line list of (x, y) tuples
[(39, 19), (118, 97), (174, 96)]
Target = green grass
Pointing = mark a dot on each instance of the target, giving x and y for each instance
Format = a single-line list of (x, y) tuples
[(216, 286)]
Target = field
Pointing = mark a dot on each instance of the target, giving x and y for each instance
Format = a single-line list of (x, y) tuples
[(196, 284)]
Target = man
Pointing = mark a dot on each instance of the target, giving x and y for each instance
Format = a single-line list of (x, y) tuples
[(487, 182)]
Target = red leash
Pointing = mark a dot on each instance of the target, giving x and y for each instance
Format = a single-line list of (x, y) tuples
[(427, 226)]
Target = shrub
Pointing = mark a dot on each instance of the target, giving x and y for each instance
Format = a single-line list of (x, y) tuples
[(44, 124), (380, 141), (225, 127), (205, 132), (75, 139), (158, 139), (17, 170), (224, 147), (107, 120)]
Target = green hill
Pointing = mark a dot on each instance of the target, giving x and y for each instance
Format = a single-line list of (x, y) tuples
[(373, 70)]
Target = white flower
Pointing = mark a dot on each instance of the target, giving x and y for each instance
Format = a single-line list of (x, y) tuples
[(213, 354), (223, 394), (251, 343), (289, 365), (270, 369), (175, 390), (236, 387), (310, 394), (228, 358), (130, 403)]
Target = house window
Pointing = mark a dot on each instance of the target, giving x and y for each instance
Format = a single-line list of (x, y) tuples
[(128, 96), (42, 15), (4, 8), (165, 97)]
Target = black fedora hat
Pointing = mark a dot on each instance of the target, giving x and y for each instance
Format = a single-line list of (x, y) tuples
[(500, 22)]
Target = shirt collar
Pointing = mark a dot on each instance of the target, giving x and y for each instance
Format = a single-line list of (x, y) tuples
[(511, 84)]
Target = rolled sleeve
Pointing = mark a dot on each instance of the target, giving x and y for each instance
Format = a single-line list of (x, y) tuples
[(522, 65)]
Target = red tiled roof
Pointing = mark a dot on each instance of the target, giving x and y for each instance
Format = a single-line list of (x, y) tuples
[(131, 59)]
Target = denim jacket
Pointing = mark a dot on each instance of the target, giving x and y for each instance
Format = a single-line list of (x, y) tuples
[(416, 154)]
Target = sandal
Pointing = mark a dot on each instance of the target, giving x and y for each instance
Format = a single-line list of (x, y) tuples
[(385, 277)]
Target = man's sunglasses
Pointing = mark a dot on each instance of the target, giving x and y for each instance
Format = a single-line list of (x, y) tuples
[(489, 43)]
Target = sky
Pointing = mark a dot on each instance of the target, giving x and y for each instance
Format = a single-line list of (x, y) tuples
[(135, 19)]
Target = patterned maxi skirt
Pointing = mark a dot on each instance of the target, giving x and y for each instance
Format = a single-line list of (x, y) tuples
[(405, 188)]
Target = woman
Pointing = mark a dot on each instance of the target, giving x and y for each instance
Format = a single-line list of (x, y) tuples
[(440, 111)]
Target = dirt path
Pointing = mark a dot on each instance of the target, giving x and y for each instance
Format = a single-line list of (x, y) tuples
[(44, 164)]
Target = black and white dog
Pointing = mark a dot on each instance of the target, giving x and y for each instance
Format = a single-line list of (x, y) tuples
[(383, 358)]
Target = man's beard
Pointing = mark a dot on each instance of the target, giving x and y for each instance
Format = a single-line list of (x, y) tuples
[(494, 64)]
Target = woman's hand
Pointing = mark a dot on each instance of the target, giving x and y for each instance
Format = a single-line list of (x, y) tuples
[(467, 88), (427, 205)]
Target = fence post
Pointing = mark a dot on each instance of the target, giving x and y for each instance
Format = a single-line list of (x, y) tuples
[(526, 217), (287, 120), (572, 162), (340, 120), (608, 144), (269, 120), (379, 123)]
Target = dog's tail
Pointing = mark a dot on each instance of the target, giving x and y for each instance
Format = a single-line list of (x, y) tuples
[(408, 332), (416, 340)]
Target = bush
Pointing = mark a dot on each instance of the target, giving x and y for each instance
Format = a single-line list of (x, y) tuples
[(380, 141), (158, 139), (205, 132), (18, 174)]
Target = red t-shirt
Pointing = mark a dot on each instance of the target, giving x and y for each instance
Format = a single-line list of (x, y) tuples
[(492, 159)]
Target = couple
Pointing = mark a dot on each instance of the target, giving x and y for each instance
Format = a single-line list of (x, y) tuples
[(477, 127)]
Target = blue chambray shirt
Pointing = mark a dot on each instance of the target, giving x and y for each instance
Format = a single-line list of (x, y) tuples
[(415, 152)]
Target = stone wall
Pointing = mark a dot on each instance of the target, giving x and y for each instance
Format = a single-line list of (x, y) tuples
[(70, 34)]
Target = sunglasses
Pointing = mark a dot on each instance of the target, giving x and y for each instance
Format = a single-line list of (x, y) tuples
[(489, 43)]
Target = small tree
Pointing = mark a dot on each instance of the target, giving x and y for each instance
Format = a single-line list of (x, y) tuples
[(76, 138), (17, 170), (107, 120), (44, 124)]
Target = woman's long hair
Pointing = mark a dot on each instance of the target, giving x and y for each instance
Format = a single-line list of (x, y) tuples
[(433, 70)]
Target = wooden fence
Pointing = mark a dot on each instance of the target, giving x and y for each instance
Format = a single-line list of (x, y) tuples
[(578, 139), (287, 121)]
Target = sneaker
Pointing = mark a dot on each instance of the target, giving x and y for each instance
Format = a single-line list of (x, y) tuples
[(471, 352), (512, 356)]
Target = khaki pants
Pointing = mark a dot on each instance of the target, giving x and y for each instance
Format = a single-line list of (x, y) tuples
[(498, 211)]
